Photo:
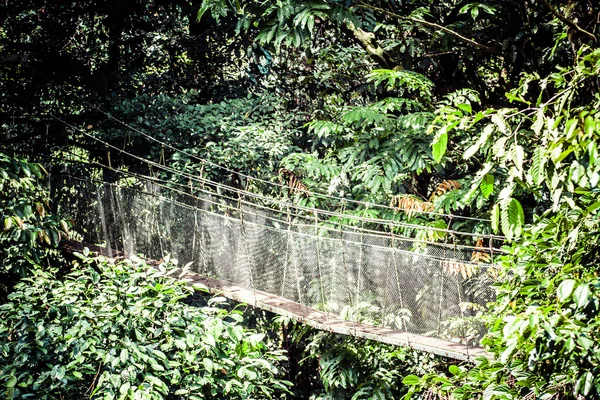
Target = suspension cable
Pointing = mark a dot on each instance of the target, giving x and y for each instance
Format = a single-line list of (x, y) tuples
[(270, 183), (309, 209)]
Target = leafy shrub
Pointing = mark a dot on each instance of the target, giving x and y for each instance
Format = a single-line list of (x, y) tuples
[(544, 333), (351, 368), (250, 135), (30, 232), (121, 331)]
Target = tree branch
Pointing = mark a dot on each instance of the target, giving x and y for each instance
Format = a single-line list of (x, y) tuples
[(449, 31), (568, 22), (367, 41)]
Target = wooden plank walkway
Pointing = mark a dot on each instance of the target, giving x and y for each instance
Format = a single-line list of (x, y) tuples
[(325, 322)]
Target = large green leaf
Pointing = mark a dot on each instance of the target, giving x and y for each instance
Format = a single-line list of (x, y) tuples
[(439, 147), (565, 289), (487, 185), (512, 218), (411, 380)]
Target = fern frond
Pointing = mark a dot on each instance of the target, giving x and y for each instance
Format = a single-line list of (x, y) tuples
[(462, 96), (480, 255), (417, 121), (364, 116), (512, 218), (402, 80), (294, 183), (325, 128), (459, 268)]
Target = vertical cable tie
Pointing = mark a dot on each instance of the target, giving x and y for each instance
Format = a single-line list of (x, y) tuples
[(360, 257), (345, 264), (287, 249), (404, 325), (321, 288), (245, 242)]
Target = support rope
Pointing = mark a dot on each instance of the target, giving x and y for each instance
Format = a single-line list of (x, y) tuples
[(237, 173), (308, 209)]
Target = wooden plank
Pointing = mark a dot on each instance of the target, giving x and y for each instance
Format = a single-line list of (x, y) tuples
[(325, 322)]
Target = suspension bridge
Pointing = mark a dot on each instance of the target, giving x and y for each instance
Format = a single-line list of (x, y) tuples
[(345, 272)]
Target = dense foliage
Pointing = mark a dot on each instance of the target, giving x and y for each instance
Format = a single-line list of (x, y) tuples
[(121, 331), (545, 331), (483, 109), (357, 369), (30, 232), (93, 328), (252, 134)]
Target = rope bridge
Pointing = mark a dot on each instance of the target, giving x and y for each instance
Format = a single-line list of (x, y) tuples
[(342, 277), (334, 270)]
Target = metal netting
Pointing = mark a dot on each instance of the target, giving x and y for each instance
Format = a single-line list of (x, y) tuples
[(379, 278)]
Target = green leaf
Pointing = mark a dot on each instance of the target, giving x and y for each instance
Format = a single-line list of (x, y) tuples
[(512, 218), (563, 155), (60, 373), (11, 382), (470, 152), (495, 218), (25, 168), (500, 122), (518, 156), (582, 295), (508, 352), (536, 173), (589, 381), (205, 6), (159, 354), (64, 226), (487, 185), (585, 342), (439, 147), (411, 380), (570, 344), (8, 223), (577, 387), (565, 289), (208, 365), (465, 107), (477, 146), (454, 370), (539, 121), (571, 125), (124, 355), (589, 126), (124, 388), (593, 207)]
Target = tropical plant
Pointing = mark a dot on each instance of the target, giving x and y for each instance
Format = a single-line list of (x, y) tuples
[(545, 320), (248, 135), (449, 106), (123, 331), (351, 368), (30, 231)]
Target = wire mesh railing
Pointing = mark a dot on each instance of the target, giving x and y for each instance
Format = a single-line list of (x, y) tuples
[(377, 277)]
